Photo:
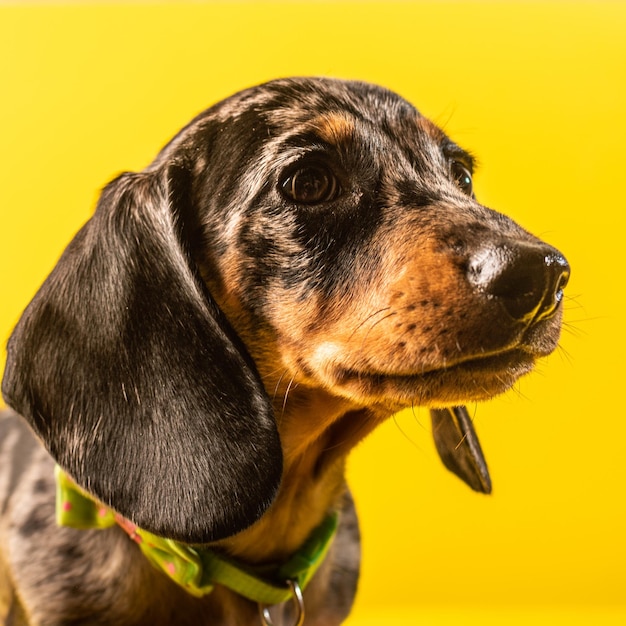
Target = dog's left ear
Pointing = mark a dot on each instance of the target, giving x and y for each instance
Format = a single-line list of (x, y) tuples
[(127, 370)]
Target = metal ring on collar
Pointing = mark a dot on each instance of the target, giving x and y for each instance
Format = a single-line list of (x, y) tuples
[(298, 601)]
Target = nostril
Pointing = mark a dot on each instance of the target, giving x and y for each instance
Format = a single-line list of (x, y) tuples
[(528, 279), (558, 272)]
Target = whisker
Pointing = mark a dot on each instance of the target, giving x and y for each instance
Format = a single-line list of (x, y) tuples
[(367, 319), (278, 384), (517, 390), (404, 433), (565, 354), (287, 394), (414, 412), (369, 330), (573, 330)]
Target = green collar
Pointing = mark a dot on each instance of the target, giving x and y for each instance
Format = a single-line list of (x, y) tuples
[(198, 569)]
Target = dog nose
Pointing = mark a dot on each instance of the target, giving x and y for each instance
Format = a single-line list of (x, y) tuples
[(528, 279)]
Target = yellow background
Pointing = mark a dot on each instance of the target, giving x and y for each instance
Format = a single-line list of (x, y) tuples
[(538, 92)]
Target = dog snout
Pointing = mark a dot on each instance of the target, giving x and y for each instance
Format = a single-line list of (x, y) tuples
[(527, 278)]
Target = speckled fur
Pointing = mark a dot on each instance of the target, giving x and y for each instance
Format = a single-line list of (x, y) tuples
[(206, 352)]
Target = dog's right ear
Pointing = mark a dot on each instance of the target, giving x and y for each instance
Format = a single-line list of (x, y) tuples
[(458, 447), (127, 370)]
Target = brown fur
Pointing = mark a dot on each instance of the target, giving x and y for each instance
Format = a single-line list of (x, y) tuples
[(210, 348)]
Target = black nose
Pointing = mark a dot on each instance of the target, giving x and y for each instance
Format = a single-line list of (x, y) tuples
[(528, 279)]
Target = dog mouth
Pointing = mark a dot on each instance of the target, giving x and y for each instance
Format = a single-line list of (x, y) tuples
[(476, 375), (470, 379)]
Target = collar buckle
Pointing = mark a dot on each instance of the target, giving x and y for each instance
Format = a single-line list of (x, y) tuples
[(298, 601)]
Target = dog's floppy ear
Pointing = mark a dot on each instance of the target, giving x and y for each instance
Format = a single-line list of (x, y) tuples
[(458, 446), (128, 371)]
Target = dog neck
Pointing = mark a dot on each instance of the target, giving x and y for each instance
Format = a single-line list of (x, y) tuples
[(317, 432)]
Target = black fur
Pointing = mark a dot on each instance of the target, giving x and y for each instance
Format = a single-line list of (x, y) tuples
[(210, 346), (127, 370)]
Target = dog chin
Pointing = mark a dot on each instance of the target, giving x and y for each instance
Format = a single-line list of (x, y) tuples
[(470, 380)]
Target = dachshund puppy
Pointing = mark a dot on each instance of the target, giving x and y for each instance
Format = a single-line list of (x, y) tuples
[(301, 261)]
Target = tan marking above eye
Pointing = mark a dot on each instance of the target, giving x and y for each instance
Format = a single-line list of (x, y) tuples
[(334, 127), (433, 131)]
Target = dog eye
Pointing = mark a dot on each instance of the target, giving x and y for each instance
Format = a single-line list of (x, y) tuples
[(462, 177), (310, 185)]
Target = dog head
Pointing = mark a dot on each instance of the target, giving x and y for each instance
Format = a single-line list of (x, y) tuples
[(354, 240), (307, 231)]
